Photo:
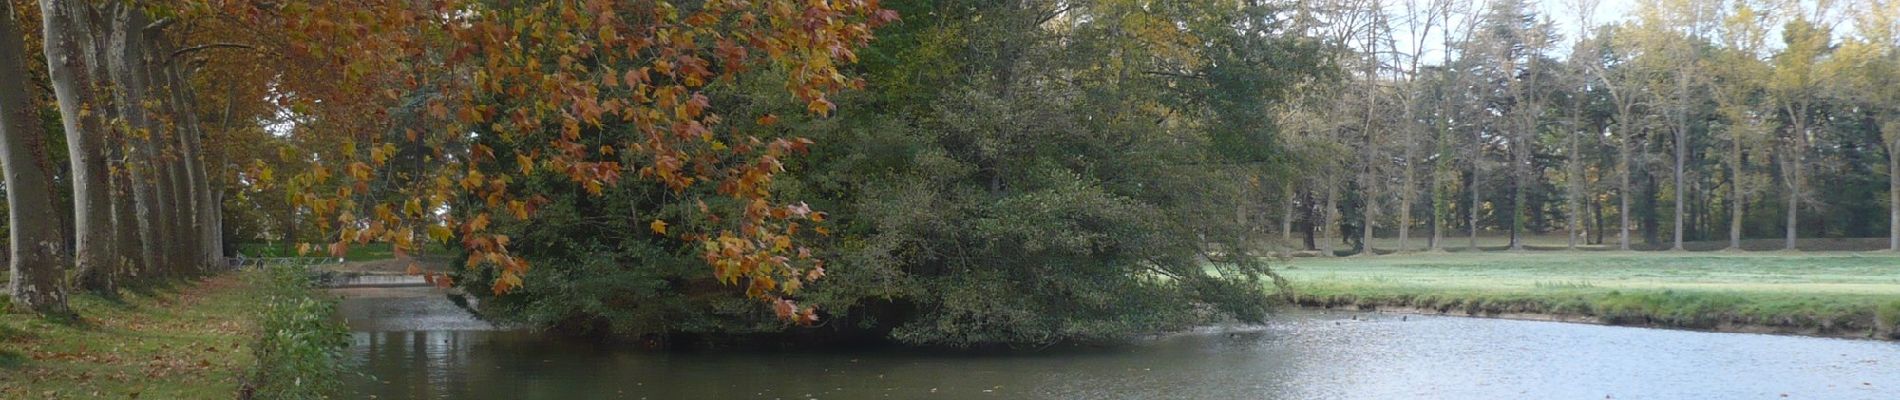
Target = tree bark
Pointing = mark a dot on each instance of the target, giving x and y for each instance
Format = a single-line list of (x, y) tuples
[(204, 207), (70, 57), (1682, 150), (1477, 176), (1520, 171), (35, 243), (1623, 195), (1794, 176), (1286, 221), (182, 212), (1331, 218), (1409, 192), (1737, 198), (126, 65), (1892, 132)]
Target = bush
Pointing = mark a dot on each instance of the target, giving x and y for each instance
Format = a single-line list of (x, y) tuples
[(300, 343)]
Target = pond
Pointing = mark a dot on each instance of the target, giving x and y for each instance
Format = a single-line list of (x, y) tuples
[(1297, 356)]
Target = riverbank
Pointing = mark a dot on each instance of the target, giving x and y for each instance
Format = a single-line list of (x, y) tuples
[(1822, 294), (189, 341)]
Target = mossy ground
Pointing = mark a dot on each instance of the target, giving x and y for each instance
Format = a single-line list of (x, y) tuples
[(1839, 293), (187, 341)]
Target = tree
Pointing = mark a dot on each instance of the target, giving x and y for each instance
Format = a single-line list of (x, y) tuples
[(1867, 64), (1615, 72), (125, 60), (1795, 88), (35, 243), (1739, 73), (70, 56)]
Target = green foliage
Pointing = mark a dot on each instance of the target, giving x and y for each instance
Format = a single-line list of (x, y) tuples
[(300, 342), (999, 182)]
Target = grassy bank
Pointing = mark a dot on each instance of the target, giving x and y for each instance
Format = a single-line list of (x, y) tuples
[(197, 340), (1836, 294), (186, 342)]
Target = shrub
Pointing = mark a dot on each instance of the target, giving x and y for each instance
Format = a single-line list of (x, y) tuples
[(300, 343)]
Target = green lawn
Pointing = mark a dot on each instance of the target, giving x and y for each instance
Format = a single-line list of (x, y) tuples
[(1837, 293), (193, 342)]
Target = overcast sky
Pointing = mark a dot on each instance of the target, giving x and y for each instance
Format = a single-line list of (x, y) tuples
[(1562, 12)]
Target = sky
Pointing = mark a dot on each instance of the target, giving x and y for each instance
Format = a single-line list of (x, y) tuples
[(1562, 12)]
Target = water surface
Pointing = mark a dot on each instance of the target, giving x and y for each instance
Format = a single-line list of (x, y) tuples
[(1309, 356)]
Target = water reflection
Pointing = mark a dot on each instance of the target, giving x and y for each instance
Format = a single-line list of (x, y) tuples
[(1299, 357)]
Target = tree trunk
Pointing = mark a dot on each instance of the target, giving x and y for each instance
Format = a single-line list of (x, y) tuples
[(1439, 216), (1682, 150), (204, 206), (1737, 199), (1573, 170), (1477, 174), (1409, 193), (35, 243), (1330, 219), (181, 210), (1794, 176), (1286, 219), (1623, 168), (1891, 132), (125, 222), (1520, 171), (126, 64), (69, 57)]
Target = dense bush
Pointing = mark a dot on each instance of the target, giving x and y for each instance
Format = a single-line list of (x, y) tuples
[(980, 196), (300, 342)]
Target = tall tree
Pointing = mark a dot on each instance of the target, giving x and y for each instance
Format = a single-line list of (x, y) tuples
[(1740, 72), (126, 62), (35, 243), (1623, 81), (1869, 65), (1795, 88), (70, 56)]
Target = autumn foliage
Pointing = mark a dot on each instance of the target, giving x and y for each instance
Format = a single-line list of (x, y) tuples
[(598, 93)]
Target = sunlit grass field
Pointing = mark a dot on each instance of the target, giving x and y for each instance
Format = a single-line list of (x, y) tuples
[(1811, 290)]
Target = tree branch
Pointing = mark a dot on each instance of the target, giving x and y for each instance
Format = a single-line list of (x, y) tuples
[(160, 24), (183, 51)]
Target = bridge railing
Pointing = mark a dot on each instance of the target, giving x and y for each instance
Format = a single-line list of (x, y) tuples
[(241, 263)]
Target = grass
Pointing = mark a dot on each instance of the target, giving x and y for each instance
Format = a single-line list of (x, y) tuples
[(1846, 294), (1386, 242), (187, 342)]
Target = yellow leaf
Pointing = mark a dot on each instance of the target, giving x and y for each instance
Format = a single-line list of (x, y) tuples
[(658, 226), (440, 233)]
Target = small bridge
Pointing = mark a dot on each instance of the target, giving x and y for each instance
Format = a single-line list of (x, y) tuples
[(241, 263)]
